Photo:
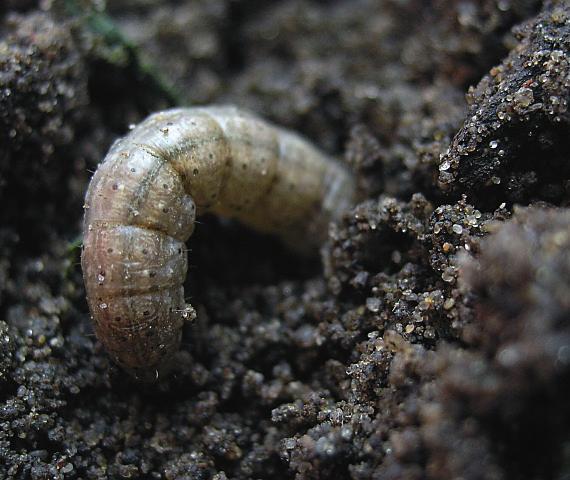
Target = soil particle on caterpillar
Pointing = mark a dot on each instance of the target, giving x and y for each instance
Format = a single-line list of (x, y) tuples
[(142, 203)]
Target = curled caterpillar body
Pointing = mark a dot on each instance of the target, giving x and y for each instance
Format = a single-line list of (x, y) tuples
[(143, 199)]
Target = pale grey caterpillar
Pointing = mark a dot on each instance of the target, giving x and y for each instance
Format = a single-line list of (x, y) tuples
[(143, 199)]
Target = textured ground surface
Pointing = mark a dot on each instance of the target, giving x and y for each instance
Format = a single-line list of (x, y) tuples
[(431, 340)]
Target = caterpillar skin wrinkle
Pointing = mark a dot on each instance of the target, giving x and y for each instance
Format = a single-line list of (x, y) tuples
[(142, 203)]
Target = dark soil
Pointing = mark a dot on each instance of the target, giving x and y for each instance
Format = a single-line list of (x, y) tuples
[(432, 337)]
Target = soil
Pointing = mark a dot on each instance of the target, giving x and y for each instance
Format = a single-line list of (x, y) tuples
[(431, 339)]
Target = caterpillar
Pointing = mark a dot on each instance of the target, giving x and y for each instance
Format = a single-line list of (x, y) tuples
[(141, 205)]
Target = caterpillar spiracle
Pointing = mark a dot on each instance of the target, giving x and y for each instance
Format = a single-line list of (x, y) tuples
[(142, 202)]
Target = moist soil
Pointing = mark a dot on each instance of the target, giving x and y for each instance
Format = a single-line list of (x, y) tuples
[(430, 339)]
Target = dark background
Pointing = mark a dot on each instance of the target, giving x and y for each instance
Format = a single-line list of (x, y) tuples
[(432, 337)]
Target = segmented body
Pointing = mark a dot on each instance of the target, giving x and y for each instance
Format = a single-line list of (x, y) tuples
[(143, 199)]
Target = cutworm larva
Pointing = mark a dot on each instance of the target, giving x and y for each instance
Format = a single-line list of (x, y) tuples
[(143, 199)]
